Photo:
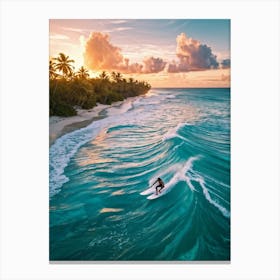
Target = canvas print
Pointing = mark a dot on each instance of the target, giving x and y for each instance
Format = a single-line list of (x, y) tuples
[(139, 140)]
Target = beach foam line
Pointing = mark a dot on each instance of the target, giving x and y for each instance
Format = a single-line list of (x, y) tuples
[(59, 126), (123, 108), (63, 150), (65, 147)]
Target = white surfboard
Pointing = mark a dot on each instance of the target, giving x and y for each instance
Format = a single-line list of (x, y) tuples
[(148, 191), (155, 196)]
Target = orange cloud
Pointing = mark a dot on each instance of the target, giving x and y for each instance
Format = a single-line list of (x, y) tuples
[(100, 54)]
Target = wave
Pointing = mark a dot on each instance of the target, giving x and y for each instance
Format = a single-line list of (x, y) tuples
[(170, 96), (206, 193), (179, 172), (113, 159), (119, 127), (122, 108), (63, 150), (65, 147), (173, 132), (222, 209), (185, 173)]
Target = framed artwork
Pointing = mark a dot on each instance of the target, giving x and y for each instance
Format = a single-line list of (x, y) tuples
[(139, 140)]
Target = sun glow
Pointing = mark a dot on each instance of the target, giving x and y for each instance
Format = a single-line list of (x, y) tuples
[(94, 74), (172, 60)]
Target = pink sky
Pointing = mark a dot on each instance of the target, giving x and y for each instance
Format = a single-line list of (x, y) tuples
[(166, 53)]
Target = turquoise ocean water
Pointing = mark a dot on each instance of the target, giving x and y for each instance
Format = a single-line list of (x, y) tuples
[(97, 175)]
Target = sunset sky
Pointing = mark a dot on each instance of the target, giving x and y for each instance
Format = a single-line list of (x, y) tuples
[(164, 52)]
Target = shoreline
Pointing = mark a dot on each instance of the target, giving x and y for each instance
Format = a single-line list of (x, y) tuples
[(59, 126)]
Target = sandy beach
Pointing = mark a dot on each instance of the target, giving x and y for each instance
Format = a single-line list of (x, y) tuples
[(59, 126)]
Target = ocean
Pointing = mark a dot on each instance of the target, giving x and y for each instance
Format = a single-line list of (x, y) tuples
[(97, 175)]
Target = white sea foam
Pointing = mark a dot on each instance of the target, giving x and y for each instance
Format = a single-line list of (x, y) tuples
[(173, 132), (177, 147), (170, 96), (63, 150), (180, 175), (201, 182), (138, 101), (183, 173), (123, 108), (65, 147), (179, 172)]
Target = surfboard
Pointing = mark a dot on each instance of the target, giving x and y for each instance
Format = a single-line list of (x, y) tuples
[(152, 193), (149, 191), (155, 196)]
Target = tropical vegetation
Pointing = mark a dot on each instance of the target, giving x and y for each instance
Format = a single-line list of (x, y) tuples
[(70, 90)]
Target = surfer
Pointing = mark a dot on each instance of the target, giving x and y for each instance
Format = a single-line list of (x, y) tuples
[(160, 185)]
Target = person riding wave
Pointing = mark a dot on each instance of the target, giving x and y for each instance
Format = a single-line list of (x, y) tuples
[(160, 185)]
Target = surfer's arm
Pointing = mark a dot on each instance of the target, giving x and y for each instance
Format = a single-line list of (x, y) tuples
[(154, 183)]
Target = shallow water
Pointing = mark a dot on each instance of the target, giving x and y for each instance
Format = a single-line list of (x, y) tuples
[(97, 174)]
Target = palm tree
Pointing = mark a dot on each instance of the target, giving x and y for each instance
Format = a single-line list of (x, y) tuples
[(52, 69), (82, 73), (104, 76), (117, 77), (113, 76), (64, 64), (71, 75)]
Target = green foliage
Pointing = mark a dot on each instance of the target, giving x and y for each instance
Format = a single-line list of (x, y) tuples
[(109, 97), (77, 89), (63, 110)]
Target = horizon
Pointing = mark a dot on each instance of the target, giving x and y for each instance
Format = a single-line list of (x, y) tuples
[(167, 53)]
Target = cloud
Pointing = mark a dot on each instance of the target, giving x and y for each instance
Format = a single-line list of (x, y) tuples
[(182, 66), (153, 65), (132, 68), (78, 30), (118, 21), (59, 37), (82, 40), (100, 54), (149, 65), (122, 28), (225, 63), (192, 55)]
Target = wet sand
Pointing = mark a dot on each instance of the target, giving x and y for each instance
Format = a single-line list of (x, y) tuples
[(58, 126)]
